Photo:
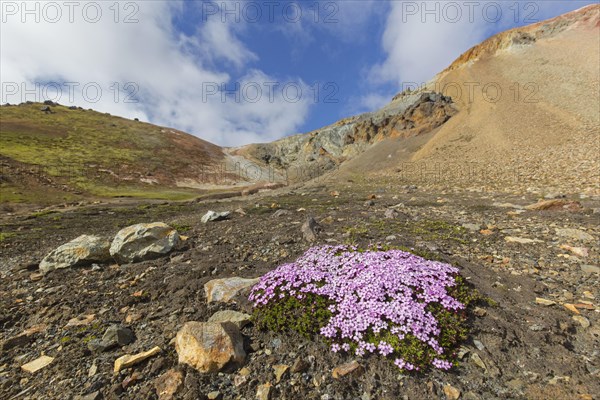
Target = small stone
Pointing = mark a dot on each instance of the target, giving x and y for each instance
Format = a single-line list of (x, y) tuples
[(536, 327), (92, 371), (214, 395), (299, 365), (479, 345), (391, 213), (214, 216), (168, 384), (264, 392), (310, 229), (129, 360), (345, 369), (578, 251), (131, 380), (471, 227), (512, 239), (590, 269), (80, 321), (239, 380), (237, 318), (480, 312), (280, 213), (117, 335), (581, 320), (451, 392), (90, 396), (280, 369), (544, 302), (478, 361), (462, 352), (571, 308), (37, 364)]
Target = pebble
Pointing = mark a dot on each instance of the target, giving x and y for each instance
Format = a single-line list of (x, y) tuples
[(214, 395), (590, 269), (280, 370), (264, 392), (128, 360), (451, 392), (478, 361), (581, 320), (345, 369), (544, 302)]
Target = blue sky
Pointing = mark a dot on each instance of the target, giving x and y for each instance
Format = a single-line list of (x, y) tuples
[(313, 62)]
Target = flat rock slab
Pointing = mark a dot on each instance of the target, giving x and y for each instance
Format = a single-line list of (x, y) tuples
[(224, 290), (237, 318), (37, 364), (129, 360), (345, 369)]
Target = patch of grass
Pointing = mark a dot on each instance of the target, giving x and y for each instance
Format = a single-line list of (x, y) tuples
[(305, 316), (6, 235), (180, 227), (43, 213), (354, 233), (438, 230)]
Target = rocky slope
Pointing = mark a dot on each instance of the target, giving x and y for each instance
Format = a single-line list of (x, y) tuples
[(321, 150), (517, 112)]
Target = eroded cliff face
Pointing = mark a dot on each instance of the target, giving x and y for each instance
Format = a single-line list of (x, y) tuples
[(407, 115)]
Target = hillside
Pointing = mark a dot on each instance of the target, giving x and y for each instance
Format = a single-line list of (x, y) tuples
[(67, 154)]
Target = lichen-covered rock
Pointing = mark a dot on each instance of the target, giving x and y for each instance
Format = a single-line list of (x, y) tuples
[(83, 250), (209, 346), (143, 242)]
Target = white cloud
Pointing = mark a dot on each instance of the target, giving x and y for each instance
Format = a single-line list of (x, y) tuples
[(417, 46), (169, 68)]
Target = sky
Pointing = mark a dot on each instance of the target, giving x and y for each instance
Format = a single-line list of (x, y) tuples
[(239, 72)]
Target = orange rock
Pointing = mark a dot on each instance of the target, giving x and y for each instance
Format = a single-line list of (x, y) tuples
[(345, 369), (571, 308)]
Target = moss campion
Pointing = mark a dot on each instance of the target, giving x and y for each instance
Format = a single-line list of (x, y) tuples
[(393, 303)]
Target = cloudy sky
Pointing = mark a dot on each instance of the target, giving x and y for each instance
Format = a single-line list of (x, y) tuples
[(235, 72)]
